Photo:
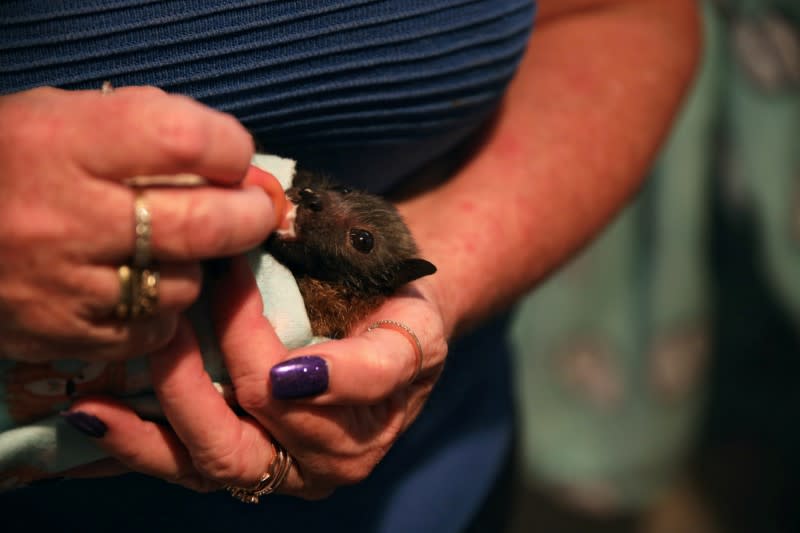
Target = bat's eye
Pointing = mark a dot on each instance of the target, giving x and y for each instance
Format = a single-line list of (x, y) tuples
[(361, 240)]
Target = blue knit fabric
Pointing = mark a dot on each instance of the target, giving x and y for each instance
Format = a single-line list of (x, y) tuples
[(368, 89), (330, 70)]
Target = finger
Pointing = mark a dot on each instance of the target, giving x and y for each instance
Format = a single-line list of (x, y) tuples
[(249, 344), (76, 338), (271, 186), (223, 447), (366, 368), (146, 447), (168, 133), (139, 445), (112, 339), (187, 224), (101, 468), (178, 287)]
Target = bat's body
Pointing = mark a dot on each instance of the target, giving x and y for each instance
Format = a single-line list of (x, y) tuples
[(348, 251)]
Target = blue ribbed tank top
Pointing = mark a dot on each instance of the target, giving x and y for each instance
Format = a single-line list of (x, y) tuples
[(303, 76), (367, 89)]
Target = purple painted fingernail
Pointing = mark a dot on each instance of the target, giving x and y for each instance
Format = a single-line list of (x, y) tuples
[(85, 423), (301, 377)]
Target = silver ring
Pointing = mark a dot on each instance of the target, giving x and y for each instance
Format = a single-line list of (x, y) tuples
[(276, 473), (409, 334), (142, 252)]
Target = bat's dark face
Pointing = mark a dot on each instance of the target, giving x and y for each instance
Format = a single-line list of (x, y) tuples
[(346, 236)]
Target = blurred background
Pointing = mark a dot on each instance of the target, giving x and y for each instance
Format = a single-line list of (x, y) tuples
[(657, 374)]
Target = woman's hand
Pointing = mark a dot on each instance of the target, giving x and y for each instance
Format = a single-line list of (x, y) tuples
[(67, 224), (352, 398), (547, 207)]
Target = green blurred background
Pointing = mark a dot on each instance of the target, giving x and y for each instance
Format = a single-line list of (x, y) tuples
[(658, 371)]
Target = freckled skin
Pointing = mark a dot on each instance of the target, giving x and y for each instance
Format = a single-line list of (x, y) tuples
[(351, 251)]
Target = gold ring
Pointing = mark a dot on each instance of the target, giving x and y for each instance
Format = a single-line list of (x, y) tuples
[(409, 334), (144, 292), (277, 471), (143, 231), (123, 308), (106, 88)]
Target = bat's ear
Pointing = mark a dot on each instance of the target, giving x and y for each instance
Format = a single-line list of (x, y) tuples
[(414, 268)]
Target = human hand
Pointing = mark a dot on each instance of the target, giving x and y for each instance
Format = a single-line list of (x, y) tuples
[(356, 403), (66, 218)]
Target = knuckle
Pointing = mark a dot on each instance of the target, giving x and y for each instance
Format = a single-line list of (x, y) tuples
[(185, 288), (27, 120), (202, 228), (353, 471), (387, 372), (228, 458), (439, 344), (251, 395), (228, 465), (94, 294), (180, 137)]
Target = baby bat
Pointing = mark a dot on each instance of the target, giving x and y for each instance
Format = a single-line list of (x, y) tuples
[(347, 249)]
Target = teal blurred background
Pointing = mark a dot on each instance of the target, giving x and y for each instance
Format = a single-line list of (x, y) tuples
[(658, 371)]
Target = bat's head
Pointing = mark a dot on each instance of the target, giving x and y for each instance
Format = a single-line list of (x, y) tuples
[(346, 236)]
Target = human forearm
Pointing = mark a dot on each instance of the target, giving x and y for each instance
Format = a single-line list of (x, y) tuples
[(580, 124)]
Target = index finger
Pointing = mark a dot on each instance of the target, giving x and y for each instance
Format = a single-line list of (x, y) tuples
[(145, 131), (222, 446), (191, 223)]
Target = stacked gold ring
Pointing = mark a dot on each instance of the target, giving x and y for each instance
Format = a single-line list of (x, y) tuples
[(138, 293), (143, 231), (139, 283), (144, 293), (277, 471), (123, 309)]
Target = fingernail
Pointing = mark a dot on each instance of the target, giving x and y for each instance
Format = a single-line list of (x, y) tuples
[(301, 377), (85, 423)]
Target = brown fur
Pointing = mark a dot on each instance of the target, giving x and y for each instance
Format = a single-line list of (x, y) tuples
[(334, 309), (341, 284)]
